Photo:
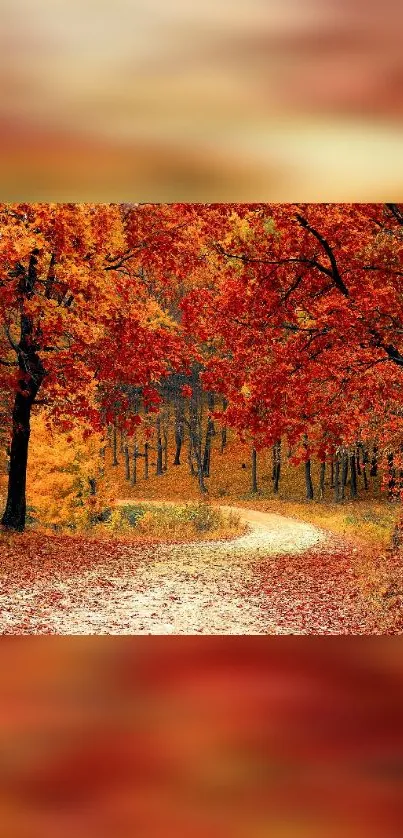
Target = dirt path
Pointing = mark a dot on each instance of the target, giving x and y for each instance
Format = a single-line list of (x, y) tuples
[(203, 588)]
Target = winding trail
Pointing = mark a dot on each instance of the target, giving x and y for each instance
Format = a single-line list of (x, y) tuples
[(199, 588)]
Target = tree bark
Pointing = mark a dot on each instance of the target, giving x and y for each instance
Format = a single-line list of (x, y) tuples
[(374, 462), (15, 511), (308, 480), (353, 477), (336, 478), (127, 462), (179, 431), (146, 447), (276, 466), (195, 432), (365, 460), (224, 429), (322, 480), (344, 473), (332, 473), (159, 469), (391, 477), (32, 374), (115, 461), (359, 451), (134, 467), (165, 436), (307, 470), (209, 434)]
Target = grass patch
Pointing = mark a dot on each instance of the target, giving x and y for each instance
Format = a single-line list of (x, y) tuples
[(165, 522), (370, 522)]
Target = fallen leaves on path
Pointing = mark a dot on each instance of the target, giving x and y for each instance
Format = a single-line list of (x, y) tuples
[(283, 577)]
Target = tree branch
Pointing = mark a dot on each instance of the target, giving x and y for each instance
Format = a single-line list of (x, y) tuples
[(329, 252)]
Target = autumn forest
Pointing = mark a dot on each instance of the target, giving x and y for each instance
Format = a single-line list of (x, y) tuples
[(201, 418)]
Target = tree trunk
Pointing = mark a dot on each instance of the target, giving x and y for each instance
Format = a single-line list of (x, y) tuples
[(192, 469), (254, 471), (159, 470), (332, 473), (195, 432), (146, 447), (179, 432), (276, 466), (127, 462), (322, 480), (365, 461), (15, 511), (102, 455), (134, 467), (336, 478), (165, 436), (224, 428), (374, 462), (115, 461), (308, 480), (344, 473), (353, 477), (93, 485), (391, 477), (209, 434), (32, 374), (359, 451)]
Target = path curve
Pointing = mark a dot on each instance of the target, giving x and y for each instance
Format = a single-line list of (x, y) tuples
[(268, 531), (194, 588)]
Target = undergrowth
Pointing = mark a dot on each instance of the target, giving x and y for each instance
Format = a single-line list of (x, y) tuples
[(189, 522)]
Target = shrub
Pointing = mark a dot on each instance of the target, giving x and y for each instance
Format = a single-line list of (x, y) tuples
[(174, 522)]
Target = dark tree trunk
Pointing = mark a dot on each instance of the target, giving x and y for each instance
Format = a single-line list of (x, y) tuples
[(332, 473), (102, 455), (365, 460), (353, 477), (146, 449), (391, 477), (192, 469), (15, 511), (276, 466), (209, 434), (159, 447), (93, 485), (134, 466), (254, 471), (115, 461), (344, 473), (127, 462), (32, 374), (122, 442), (322, 480), (358, 459), (308, 480), (195, 432), (165, 436), (374, 462), (336, 479), (179, 431), (307, 471), (224, 428)]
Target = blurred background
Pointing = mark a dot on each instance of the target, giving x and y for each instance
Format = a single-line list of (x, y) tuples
[(160, 100), (239, 737)]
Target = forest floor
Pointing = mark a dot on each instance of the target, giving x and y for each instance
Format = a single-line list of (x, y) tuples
[(283, 577)]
